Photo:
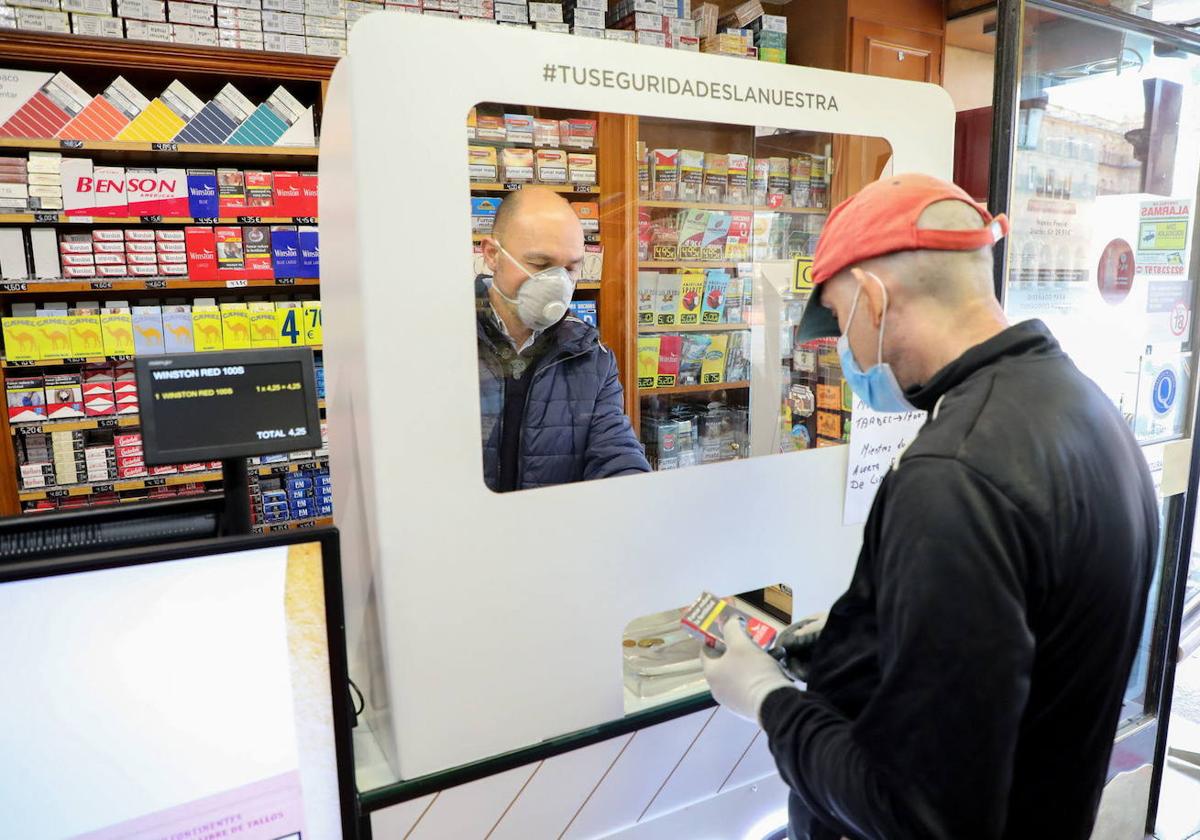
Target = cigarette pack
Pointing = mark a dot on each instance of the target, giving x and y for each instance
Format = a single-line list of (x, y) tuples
[(288, 194), (26, 398), (130, 247), (760, 173), (79, 272), (712, 372), (647, 287), (108, 185), (262, 324), (235, 326), (202, 193), (231, 261), (582, 168), (691, 298), (551, 166), (589, 215), (737, 357), (116, 329), (667, 298), (801, 172), (692, 224), (516, 164), (310, 252), (285, 251), (490, 127), (737, 179), (148, 330), (483, 213), (665, 172), (43, 246), (712, 244), (578, 133), (705, 619), (112, 271), (691, 174), (626, 35), (150, 269), (669, 348), (546, 12), (546, 133), (585, 31), (518, 128), (197, 14), (21, 339), (64, 396), (172, 257), (648, 349), (84, 328), (716, 282), (585, 310), (231, 192), (592, 266), (161, 192), (177, 328), (481, 163), (256, 252), (716, 177), (206, 328), (81, 259), (695, 345), (779, 181)]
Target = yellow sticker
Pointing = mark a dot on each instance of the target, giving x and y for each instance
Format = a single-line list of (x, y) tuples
[(802, 281)]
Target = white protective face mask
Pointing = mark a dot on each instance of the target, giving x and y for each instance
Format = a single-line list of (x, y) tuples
[(542, 300)]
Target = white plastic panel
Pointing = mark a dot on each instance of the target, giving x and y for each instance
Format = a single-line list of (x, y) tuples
[(426, 547)]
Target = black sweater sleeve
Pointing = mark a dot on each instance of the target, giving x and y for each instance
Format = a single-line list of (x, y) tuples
[(931, 755)]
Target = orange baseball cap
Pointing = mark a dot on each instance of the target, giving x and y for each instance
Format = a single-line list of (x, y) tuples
[(881, 219)]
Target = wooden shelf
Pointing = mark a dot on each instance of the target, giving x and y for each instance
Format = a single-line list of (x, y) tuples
[(689, 264), (128, 421), (692, 389), (588, 238), (715, 205), (580, 189), (293, 525), (723, 327), (112, 149), (54, 50), (41, 219), (119, 486), (149, 285), (510, 144), (587, 287)]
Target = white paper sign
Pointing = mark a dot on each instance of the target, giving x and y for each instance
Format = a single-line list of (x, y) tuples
[(875, 441)]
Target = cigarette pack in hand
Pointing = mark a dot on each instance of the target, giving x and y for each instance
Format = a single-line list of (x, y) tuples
[(706, 617)]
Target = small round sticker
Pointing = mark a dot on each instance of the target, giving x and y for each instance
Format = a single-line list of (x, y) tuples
[(1163, 396)]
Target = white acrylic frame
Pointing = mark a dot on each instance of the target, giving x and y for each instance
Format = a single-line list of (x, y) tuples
[(479, 623)]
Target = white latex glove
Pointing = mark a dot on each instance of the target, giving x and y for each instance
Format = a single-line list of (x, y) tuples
[(742, 676)]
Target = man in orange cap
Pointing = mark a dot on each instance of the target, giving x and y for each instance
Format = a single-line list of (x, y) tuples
[(969, 682)]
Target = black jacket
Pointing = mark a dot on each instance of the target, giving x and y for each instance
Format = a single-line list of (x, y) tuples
[(969, 682)]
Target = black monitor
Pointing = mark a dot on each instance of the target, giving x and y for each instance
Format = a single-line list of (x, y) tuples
[(103, 528), (197, 690)]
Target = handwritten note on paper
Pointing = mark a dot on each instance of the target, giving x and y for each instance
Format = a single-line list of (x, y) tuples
[(875, 441)]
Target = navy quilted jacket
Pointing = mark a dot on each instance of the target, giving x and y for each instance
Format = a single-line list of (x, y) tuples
[(575, 428)]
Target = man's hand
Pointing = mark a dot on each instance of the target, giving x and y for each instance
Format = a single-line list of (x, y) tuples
[(743, 676)]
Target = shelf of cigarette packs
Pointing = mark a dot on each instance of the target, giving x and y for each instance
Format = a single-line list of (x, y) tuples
[(553, 148)]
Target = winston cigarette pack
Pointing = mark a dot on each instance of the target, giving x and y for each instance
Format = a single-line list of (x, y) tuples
[(285, 251), (705, 619)]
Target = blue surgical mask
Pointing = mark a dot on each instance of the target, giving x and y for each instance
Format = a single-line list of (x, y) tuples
[(877, 386)]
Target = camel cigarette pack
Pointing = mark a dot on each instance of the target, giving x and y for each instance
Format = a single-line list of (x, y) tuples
[(235, 326), (648, 346), (206, 328), (647, 281), (715, 284), (691, 294), (177, 328), (262, 324), (86, 337), (53, 333), (667, 299), (20, 339), (148, 330), (116, 329), (705, 619)]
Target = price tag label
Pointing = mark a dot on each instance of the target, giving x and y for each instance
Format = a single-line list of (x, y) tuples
[(236, 284), (285, 281), (15, 287), (106, 423), (206, 220), (164, 147), (57, 494), (22, 363), (154, 482), (45, 217), (101, 285), (586, 188), (79, 220), (122, 358), (74, 360), (70, 144), (156, 284), (281, 470), (151, 220), (282, 527), (304, 220), (30, 428), (103, 488), (513, 185), (249, 220), (311, 523), (591, 238)]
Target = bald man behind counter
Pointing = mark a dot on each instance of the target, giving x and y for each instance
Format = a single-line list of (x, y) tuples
[(551, 404)]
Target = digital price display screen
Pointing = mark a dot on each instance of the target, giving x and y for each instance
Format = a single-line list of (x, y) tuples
[(212, 406)]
